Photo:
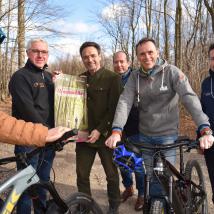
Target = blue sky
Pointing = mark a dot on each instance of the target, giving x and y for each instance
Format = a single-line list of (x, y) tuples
[(80, 23)]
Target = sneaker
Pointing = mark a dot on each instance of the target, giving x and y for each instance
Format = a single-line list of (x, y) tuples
[(128, 192), (113, 210), (139, 203)]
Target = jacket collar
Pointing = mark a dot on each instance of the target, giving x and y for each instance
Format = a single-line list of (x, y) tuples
[(96, 74), (211, 73), (125, 76), (32, 67)]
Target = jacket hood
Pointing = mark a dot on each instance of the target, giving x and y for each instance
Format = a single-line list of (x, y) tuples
[(160, 65)]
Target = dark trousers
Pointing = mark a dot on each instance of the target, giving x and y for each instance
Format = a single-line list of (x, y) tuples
[(42, 163), (85, 155), (209, 158)]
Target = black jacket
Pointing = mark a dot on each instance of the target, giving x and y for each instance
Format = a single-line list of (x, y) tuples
[(32, 93), (207, 98)]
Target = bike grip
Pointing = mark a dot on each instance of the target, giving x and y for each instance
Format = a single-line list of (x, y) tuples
[(68, 134)]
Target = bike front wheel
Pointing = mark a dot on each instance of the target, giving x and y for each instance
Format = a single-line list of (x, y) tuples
[(78, 203), (157, 206), (196, 191)]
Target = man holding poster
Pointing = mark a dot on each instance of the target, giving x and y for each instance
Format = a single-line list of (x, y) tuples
[(103, 91)]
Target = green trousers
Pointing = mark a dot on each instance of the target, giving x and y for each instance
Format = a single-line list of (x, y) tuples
[(85, 155)]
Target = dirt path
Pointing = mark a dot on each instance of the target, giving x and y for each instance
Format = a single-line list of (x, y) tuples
[(64, 167)]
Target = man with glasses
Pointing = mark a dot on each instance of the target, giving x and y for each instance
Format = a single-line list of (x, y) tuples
[(207, 101), (32, 93)]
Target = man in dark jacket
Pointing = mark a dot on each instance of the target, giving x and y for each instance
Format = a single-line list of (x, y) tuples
[(103, 90), (32, 93), (121, 66), (207, 101)]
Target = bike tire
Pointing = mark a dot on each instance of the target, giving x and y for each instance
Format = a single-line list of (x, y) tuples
[(78, 203), (157, 206), (194, 173)]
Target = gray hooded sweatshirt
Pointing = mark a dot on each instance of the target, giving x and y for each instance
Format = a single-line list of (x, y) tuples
[(157, 95)]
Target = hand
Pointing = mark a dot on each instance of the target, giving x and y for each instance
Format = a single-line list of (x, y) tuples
[(55, 73), (206, 141), (111, 142), (94, 136), (56, 133)]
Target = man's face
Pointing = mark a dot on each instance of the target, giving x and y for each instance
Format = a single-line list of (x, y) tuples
[(147, 55), (91, 59), (120, 63), (211, 60), (38, 54)]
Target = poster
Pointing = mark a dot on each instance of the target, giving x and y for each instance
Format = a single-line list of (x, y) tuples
[(70, 108)]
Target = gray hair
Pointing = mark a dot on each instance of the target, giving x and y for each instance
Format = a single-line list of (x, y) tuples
[(31, 41)]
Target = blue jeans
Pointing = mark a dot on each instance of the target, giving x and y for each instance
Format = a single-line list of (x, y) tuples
[(155, 188), (127, 179), (42, 163)]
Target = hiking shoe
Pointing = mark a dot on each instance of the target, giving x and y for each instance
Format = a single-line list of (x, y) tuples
[(139, 203), (128, 192)]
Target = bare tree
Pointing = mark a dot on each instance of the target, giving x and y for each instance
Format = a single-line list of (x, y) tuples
[(122, 25), (21, 33), (210, 8), (166, 31), (148, 16), (178, 24)]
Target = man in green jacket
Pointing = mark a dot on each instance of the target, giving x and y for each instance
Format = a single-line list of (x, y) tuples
[(103, 91)]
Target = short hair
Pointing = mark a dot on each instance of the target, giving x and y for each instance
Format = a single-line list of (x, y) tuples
[(31, 41), (127, 56), (211, 47), (144, 40), (90, 44)]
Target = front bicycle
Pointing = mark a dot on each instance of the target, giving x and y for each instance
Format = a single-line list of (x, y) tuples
[(27, 179), (183, 192)]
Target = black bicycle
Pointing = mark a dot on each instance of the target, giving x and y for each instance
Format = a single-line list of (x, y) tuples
[(27, 179), (184, 189)]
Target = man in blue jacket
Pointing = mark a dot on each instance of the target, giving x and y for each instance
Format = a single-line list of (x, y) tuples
[(207, 101), (121, 66)]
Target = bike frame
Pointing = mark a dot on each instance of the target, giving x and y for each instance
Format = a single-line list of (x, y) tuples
[(174, 184), (19, 183)]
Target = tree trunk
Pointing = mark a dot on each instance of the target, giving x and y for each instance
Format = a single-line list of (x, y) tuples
[(178, 22), (21, 33), (210, 9)]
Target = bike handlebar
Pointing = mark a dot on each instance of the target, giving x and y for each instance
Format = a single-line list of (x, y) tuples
[(56, 146), (137, 147)]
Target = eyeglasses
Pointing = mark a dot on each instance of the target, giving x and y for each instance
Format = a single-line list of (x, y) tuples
[(36, 51)]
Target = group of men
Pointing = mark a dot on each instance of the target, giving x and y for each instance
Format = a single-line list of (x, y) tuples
[(141, 104)]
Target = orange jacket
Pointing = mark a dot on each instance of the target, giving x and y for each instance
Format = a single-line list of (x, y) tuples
[(19, 132)]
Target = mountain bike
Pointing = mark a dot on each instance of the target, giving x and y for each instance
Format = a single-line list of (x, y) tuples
[(27, 179), (184, 189)]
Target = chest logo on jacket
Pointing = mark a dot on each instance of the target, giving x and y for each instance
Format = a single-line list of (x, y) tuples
[(38, 85)]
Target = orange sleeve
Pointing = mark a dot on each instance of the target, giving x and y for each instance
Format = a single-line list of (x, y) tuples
[(19, 132)]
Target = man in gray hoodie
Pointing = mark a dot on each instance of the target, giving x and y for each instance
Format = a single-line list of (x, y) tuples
[(158, 86)]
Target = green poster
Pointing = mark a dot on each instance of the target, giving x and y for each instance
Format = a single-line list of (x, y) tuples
[(70, 102)]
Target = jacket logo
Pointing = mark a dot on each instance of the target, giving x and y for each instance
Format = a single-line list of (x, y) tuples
[(38, 85)]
